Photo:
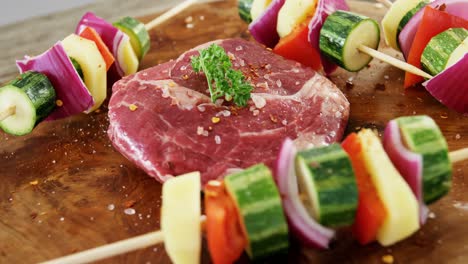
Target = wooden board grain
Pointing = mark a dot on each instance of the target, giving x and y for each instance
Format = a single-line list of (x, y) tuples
[(64, 188)]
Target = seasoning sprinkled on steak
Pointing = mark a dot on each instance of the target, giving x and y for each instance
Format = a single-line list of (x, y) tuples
[(176, 129)]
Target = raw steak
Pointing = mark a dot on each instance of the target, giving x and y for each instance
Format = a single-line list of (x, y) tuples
[(175, 129)]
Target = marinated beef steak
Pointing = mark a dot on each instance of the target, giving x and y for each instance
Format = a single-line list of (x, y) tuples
[(162, 118)]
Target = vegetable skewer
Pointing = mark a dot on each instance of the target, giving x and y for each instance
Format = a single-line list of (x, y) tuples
[(157, 237), (131, 46), (356, 34)]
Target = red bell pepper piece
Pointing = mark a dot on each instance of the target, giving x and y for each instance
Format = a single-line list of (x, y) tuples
[(296, 46), (371, 212), (226, 238), (432, 23)]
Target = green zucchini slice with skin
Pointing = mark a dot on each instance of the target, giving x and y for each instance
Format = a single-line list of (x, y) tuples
[(261, 213), (422, 135), (438, 52), (33, 97), (342, 34), (327, 177), (407, 17), (244, 7), (139, 37), (77, 67)]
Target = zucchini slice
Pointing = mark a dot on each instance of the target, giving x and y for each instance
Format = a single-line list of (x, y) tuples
[(441, 51), (330, 184), (86, 53), (180, 218), (33, 97), (136, 31), (422, 135), (407, 17), (401, 206), (393, 18), (342, 34), (77, 67), (255, 194), (244, 7)]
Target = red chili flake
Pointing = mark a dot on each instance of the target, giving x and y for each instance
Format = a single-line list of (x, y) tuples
[(274, 119), (129, 203)]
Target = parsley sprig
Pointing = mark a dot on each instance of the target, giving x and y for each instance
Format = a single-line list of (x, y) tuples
[(223, 80)]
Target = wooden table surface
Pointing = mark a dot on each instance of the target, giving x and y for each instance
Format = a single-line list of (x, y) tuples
[(64, 188)]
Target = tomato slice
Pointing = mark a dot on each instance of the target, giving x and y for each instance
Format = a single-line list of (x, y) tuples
[(91, 34), (433, 22), (226, 238), (371, 212), (296, 46)]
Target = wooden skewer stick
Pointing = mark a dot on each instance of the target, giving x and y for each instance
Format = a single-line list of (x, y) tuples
[(386, 3), (169, 14), (174, 11), (111, 250), (114, 249), (9, 111), (392, 61), (458, 155)]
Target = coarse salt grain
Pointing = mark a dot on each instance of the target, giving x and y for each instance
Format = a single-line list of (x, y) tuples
[(217, 139), (129, 211), (201, 108), (224, 113), (189, 25), (200, 130), (239, 48), (111, 207), (278, 83), (188, 19)]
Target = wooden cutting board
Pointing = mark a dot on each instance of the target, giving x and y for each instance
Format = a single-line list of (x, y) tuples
[(64, 188)]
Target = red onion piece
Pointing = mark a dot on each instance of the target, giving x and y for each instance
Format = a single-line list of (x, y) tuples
[(110, 35), (263, 29), (450, 87), (324, 9), (408, 163), (69, 87), (407, 34), (301, 224)]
